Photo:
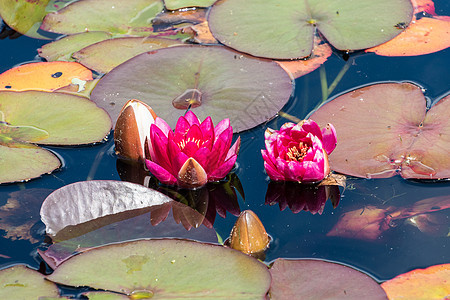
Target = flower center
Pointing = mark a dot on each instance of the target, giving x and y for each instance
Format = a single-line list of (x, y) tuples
[(297, 153), (183, 143)]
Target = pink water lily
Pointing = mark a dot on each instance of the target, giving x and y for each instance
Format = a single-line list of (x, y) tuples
[(194, 154), (299, 152)]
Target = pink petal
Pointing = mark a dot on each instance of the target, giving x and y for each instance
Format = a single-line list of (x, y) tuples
[(272, 172), (307, 126), (295, 171), (313, 171), (161, 124), (181, 128), (190, 149), (194, 133), (329, 138), (220, 127), (207, 128), (234, 149), (192, 118), (202, 156), (223, 170), (159, 145), (220, 148), (159, 172)]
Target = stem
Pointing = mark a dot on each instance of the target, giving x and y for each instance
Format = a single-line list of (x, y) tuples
[(323, 83), (340, 75), (289, 117)]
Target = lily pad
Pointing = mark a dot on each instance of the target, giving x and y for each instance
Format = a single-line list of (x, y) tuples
[(285, 30), (177, 4), (212, 81), (429, 283), (116, 17), (43, 76), (89, 200), (68, 119), (424, 36), (167, 269), (21, 282), (106, 55), (379, 137), (105, 296), (24, 16), (316, 279), (63, 49), (25, 162)]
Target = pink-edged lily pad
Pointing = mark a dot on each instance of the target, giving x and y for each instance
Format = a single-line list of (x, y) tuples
[(285, 30), (385, 129), (212, 81), (106, 55), (167, 269), (317, 279), (20, 282), (117, 17)]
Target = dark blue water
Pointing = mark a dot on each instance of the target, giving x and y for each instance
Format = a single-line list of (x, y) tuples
[(295, 235)]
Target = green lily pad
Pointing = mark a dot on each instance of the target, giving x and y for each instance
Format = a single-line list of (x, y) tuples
[(106, 296), (211, 80), (106, 55), (285, 30), (317, 279), (68, 119), (24, 16), (385, 129), (176, 269), (177, 4), (20, 282), (63, 49), (118, 17), (19, 134), (25, 161)]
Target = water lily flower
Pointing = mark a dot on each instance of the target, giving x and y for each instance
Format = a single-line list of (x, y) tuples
[(299, 152), (194, 154)]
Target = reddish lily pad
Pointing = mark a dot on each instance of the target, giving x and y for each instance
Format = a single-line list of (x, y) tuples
[(106, 55), (430, 283), (248, 26), (20, 282), (24, 16), (317, 279), (116, 17), (212, 81), (43, 76), (165, 269), (63, 49), (379, 138), (423, 36)]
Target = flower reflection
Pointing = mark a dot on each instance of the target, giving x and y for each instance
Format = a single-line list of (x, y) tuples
[(300, 197), (213, 198)]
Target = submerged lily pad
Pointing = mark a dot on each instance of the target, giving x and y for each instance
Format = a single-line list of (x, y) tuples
[(429, 283), (20, 282), (118, 17), (63, 49), (106, 55), (177, 4), (212, 81), (167, 269), (385, 129), (285, 30), (316, 279), (24, 16)]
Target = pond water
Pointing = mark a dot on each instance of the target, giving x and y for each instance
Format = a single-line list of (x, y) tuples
[(401, 248)]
